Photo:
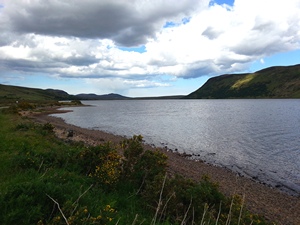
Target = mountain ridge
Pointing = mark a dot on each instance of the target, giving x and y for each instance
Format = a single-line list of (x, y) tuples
[(11, 93), (111, 96), (271, 82)]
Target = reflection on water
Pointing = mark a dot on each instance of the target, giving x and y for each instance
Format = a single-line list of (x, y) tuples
[(258, 138)]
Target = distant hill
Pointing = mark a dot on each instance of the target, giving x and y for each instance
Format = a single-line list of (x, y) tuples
[(111, 96), (272, 82), (58, 94), (9, 94)]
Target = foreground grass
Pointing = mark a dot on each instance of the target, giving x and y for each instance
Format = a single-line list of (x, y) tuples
[(44, 180)]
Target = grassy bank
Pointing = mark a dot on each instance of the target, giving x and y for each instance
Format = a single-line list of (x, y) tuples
[(44, 180)]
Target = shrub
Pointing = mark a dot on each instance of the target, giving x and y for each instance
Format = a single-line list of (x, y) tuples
[(132, 149), (108, 171), (139, 165), (24, 126), (25, 106), (102, 163), (44, 129), (48, 127), (30, 158), (76, 102), (179, 199), (69, 214)]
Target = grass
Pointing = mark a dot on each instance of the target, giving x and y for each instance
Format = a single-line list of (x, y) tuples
[(44, 180)]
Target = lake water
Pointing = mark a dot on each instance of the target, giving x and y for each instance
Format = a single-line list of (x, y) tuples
[(256, 138)]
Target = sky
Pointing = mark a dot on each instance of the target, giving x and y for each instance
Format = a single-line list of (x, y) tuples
[(141, 48)]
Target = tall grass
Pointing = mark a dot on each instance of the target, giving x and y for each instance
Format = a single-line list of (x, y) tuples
[(44, 180)]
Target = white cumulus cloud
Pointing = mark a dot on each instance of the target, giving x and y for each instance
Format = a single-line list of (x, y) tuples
[(184, 39)]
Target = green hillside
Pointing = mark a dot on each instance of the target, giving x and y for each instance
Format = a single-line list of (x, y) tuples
[(10, 94), (273, 82)]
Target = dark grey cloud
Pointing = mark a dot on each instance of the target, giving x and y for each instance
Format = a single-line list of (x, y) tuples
[(128, 23), (78, 61), (28, 66), (46, 65)]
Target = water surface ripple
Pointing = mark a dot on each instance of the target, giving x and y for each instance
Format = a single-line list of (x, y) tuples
[(257, 138)]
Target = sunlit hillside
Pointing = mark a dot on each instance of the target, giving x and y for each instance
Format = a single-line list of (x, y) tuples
[(273, 82)]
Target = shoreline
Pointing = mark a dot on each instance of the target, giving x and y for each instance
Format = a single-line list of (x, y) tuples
[(260, 199)]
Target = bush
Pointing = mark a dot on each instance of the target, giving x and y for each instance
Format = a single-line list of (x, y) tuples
[(48, 127), (179, 199), (27, 158), (82, 215), (25, 106), (25, 126), (76, 102), (139, 165), (108, 171), (44, 129), (102, 163)]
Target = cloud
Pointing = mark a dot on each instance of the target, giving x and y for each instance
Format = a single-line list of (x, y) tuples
[(222, 39), (189, 39), (145, 84), (123, 86), (128, 23)]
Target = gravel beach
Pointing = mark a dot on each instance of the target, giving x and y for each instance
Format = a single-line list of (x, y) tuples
[(275, 205)]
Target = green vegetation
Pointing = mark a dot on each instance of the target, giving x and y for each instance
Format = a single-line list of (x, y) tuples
[(22, 106), (45, 180), (273, 82), (11, 94)]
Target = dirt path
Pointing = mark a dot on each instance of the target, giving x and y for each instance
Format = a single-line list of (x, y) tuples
[(260, 199)]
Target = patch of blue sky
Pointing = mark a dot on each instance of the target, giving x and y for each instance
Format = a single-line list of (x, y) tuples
[(38, 80), (190, 85), (169, 24), (139, 49), (183, 86), (186, 20), (280, 59), (221, 2)]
